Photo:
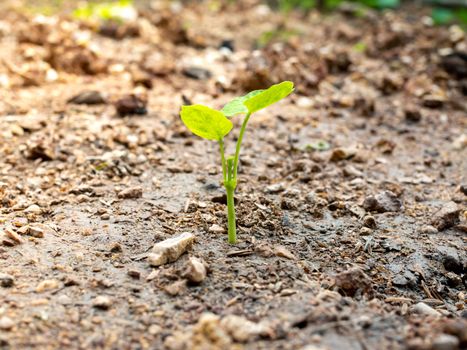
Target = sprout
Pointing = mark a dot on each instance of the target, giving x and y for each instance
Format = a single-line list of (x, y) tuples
[(214, 125)]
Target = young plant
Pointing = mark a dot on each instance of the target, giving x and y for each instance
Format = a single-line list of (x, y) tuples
[(214, 125)]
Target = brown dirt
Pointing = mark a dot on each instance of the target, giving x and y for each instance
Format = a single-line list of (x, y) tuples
[(326, 259)]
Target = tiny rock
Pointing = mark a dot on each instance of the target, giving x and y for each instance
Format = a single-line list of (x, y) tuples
[(352, 281), (175, 288), (447, 216), (242, 329), (33, 209), (13, 236), (215, 228), (275, 188), (6, 280), (445, 342), (412, 114), (171, 249), (131, 193), (428, 229), (424, 309), (47, 285), (343, 153), (131, 104), (36, 232), (6, 323), (87, 98), (385, 201), (283, 252), (102, 302), (197, 73), (195, 271)]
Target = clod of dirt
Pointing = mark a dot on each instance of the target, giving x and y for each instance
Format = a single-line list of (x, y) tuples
[(195, 270), (353, 281), (131, 104), (455, 64), (197, 73), (383, 202), (445, 342), (425, 309), (102, 302), (242, 330), (92, 97), (447, 216), (412, 114), (6, 280), (131, 193), (6, 323), (171, 249)]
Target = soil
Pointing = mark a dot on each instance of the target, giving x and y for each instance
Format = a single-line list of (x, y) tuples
[(351, 201)]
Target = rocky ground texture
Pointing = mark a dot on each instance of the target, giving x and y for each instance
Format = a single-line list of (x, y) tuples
[(351, 204)]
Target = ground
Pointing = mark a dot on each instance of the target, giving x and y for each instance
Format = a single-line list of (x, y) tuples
[(351, 203)]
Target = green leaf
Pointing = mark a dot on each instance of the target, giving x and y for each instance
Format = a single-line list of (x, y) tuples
[(269, 96), (206, 122), (236, 106)]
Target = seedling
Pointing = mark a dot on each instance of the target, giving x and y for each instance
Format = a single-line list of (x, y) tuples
[(214, 125)]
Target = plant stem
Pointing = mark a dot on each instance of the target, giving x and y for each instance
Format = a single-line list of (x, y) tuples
[(239, 144), (231, 213), (221, 147)]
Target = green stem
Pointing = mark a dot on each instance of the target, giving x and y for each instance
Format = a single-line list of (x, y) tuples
[(239, 144), (221, 147), (231, 213)]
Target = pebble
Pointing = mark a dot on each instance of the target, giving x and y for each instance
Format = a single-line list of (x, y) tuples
[(242, 329), (35, 231), (197, 73), (428, 229), (91, 97), (47, 285), (383, 202), (131, 104), (6, 280), (275, 188), (13, 235), (424, 309), (447, 216), (445, 342), (131, 193), (102, 302), (369, 221), (6, 323), (171, 249), (33, 209), (352, 281), (215, 228), (195, 270)]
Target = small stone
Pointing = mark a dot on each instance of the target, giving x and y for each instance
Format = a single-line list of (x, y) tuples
[(428, 229), (383, 202), (445, 342), (365, 231), (463, 189), (195, 270), (343, 153), (434, 101), (458, 328), (131, 193), (215, 228), (116, 248), (33, 209), (275, 188), (197, 73), (6, 280), (451, 262), (47, 285), (131, 104), (369, 221), (102, 302), (171, 249), (283, 252), (412, 114), (175, 288), (424, 309), (352, 281), (243, 330), (13, 236), (91, 97), (6, 323), (134, 274), (447, 216), (35, 231)]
